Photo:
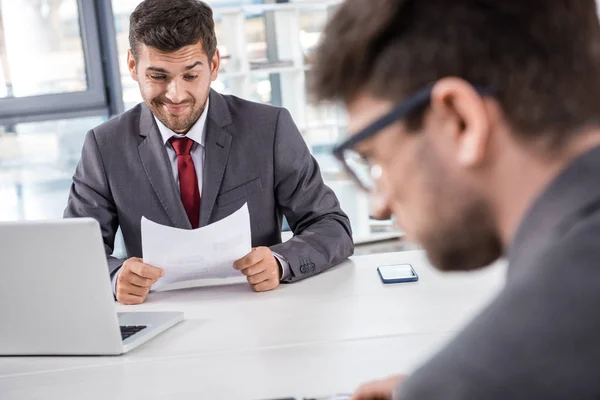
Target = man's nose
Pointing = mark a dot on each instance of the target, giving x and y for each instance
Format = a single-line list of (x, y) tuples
[(175, 92)]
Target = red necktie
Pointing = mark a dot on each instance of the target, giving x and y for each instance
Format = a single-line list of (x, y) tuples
[(188, 181)]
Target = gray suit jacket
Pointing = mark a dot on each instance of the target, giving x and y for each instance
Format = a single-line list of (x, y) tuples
[(540, 338), (253, 153)]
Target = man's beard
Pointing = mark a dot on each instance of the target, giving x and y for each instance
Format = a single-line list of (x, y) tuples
[(461, 234), (182, 124), (466, 241)]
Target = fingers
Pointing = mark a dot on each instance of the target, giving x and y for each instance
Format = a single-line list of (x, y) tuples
[(261, 269), (139, 281), (131, 294), (130, 300), (145, 270), (134, 281), (261, 277), (254, 270), (266, 285), (253, 258), (264, 281)]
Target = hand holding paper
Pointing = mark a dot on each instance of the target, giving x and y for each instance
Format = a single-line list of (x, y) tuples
[(261, 269), (204, 253)]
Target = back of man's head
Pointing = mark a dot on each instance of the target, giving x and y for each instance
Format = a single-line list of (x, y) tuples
[(541, 57), (170, 25)]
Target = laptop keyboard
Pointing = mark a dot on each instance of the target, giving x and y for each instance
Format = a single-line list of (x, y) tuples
[(127, 331)]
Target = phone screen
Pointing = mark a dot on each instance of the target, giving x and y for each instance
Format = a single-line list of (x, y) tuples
[(398, 271)]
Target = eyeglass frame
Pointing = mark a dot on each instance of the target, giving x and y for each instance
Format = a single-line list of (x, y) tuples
[(418, 99)]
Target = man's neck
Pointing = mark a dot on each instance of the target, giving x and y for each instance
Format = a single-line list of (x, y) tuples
[(524, 177)]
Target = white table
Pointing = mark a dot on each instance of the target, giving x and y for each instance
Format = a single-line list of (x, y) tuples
[(320, 336)]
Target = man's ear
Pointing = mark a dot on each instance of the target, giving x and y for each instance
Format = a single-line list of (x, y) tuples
[(464, 118), (214, 65), (132, 65)]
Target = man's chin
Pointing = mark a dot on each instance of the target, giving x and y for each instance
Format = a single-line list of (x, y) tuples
[(454, 260), (175, 123)]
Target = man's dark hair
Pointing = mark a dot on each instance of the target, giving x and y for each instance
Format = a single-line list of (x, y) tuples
[(541, 56), (169, 25)]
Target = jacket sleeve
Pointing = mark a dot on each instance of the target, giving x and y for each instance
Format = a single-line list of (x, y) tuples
[(322, 233), (90, 196)]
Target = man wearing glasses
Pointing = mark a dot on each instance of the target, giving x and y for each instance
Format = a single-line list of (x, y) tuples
[(478, 122)]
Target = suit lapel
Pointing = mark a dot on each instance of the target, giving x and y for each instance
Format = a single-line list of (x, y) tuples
[(217, 146), (158, 169)]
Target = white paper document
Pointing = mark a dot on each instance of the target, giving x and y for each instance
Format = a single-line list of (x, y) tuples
[(191, 255)]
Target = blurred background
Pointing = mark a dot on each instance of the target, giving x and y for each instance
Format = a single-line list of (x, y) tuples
[(63, 71)]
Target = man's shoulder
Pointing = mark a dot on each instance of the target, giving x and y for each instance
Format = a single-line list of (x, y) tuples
[(127, 122), (544, 318), (577, 242), (248, 110)]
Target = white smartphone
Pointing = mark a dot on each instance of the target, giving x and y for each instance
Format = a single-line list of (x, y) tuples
[(397, 273)]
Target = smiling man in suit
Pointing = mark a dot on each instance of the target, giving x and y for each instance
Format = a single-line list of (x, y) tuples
[(189, 156)]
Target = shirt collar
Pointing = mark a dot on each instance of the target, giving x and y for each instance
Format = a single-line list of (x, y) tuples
[(197, 132)]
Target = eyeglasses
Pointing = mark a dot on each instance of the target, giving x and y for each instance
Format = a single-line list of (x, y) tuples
[(360, 170)]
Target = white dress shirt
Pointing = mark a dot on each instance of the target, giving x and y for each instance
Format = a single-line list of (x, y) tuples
[(198, 134)]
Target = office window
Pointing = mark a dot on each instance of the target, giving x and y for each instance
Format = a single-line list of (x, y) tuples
[(53, 89), (43, 56), (37, 162), (50, 61)]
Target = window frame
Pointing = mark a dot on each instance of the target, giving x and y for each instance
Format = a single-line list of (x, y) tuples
[(102, 96)]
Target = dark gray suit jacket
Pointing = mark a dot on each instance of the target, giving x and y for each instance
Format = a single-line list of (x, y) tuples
[(253, 153), (540, 338)]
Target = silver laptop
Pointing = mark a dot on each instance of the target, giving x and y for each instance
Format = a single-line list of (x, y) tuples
[(56, 297)]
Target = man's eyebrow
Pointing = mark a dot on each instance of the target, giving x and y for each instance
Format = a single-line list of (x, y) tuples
[(193, 65), (164, 71), (157, 69)]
